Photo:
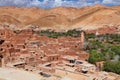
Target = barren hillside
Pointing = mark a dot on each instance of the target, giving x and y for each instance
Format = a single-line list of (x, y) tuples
[(62, 18)]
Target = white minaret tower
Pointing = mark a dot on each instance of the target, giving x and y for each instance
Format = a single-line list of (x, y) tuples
[(97, 33)]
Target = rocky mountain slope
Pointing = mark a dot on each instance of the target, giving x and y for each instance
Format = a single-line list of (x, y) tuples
[(61, 18)]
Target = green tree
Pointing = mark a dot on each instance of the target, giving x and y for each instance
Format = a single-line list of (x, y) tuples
[(95, 56), (112, 67)]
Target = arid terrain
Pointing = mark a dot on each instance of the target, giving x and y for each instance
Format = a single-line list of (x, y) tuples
[(61, 43), (61, 18)]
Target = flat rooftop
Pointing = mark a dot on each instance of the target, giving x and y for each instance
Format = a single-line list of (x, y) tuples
[(15, 74)]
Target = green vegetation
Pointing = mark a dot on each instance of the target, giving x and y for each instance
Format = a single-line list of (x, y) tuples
[(95, 56), (102, 44), (112, 67), (52, 34), (114, 37), (90, 36), (116, 49), (104, 48), (101, 54)]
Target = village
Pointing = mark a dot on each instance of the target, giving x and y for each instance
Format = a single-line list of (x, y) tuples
[(48, 57)]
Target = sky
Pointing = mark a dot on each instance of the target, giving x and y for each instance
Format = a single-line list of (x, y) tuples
[(57, 3)]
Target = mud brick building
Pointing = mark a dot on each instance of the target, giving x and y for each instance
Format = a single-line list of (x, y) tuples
[(29, 50)]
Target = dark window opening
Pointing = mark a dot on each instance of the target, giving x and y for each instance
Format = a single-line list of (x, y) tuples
[(7, 45), (1, 49), (23, 47), (1, 34), (11, 45), (2, 41), (49, 65)]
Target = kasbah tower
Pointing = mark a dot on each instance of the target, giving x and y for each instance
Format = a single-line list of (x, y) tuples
[(82, 39)]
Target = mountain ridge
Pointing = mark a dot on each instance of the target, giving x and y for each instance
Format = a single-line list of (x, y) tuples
[(61, 18)]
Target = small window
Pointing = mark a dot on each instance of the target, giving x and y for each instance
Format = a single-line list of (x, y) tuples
[(1, 49), (23, 47), (7, 45), (75, 46), (1, 33), (11, 45)]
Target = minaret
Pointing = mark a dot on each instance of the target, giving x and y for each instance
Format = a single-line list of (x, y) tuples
[(82, 39), (97, 33)]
